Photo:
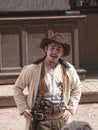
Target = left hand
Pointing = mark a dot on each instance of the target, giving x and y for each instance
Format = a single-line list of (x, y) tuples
[(66, 115)]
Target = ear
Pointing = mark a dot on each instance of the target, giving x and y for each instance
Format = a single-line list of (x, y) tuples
[(46, 48)]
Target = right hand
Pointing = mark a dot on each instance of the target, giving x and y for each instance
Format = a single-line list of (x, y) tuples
[(27, 114)]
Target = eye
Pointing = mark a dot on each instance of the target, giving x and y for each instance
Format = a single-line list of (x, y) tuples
[(59, 49), (52, 47)]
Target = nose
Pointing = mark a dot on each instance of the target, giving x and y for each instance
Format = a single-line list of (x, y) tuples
[(55, 51)]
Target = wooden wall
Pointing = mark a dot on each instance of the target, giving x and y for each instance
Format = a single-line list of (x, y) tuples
[(88, 42), (20, 39)]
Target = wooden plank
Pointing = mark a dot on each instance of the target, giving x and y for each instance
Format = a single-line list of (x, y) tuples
[(6, 90), (90, 87), (93, 88), (95, 83), (43, 18), (89, 98), (84, 89)]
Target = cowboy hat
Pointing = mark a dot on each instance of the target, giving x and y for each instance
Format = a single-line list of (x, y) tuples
[(58, 38)]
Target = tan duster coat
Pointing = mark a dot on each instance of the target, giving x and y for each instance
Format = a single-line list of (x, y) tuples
[(30, 77)]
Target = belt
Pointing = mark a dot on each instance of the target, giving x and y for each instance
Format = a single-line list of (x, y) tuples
[(54, 116), (41, 116)]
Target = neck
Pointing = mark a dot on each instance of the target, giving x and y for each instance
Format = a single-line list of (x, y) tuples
[(51, 63)]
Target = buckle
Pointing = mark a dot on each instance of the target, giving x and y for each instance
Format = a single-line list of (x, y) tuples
[(39, 116)]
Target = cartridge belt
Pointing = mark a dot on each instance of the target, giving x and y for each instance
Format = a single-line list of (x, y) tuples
[(41, 116), (54, 112)]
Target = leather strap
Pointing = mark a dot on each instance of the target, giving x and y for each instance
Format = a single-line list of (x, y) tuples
[(42, 77), (54, 116), (63, 79)]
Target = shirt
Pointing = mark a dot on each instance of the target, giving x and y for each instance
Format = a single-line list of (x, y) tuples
[(53, 84)]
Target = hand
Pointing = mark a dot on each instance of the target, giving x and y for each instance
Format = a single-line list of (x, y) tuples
[(27, 114), (66, 115)]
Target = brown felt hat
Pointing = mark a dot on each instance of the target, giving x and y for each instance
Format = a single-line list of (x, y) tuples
[(58, 38)]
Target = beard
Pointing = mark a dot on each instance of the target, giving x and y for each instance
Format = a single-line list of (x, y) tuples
[(52, 60)]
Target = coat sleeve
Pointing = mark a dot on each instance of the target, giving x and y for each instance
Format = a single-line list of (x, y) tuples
[(21, 83), (75, 90)]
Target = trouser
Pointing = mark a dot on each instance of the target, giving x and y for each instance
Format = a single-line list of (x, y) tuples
[(53, 124), (56, 124)]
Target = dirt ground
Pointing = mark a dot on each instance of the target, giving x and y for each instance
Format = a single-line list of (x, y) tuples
[(11, 120)]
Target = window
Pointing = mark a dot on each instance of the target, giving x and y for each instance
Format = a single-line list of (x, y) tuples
[(84, 5)]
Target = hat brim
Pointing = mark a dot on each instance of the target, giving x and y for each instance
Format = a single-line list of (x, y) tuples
[(47, 41)]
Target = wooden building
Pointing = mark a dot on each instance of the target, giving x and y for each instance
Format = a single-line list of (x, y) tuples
[(21, 33)]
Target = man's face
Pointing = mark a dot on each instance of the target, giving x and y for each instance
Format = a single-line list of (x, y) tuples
[(54, 52)]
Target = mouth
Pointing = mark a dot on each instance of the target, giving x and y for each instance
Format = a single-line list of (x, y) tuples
[(53, 56)]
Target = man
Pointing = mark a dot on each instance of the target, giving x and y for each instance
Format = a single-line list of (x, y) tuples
[(54, 88)]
